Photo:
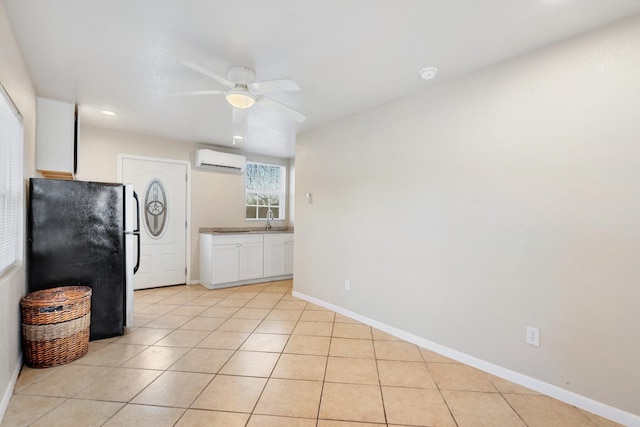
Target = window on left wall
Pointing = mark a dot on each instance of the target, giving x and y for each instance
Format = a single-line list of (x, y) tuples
[(11, 185)]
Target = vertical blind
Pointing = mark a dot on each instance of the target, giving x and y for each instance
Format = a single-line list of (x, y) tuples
[(11, 187)]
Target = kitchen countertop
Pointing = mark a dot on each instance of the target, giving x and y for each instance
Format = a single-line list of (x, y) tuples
[(245, 230)]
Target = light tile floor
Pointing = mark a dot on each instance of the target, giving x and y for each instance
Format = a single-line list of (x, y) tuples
[(256, 356)]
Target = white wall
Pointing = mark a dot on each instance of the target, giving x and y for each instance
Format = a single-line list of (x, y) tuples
[(217, 199), (477, 207), (16, 81)]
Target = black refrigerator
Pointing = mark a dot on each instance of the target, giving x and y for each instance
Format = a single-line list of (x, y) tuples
[(82, 234)]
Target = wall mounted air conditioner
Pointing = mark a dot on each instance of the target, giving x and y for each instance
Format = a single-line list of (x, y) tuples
[(219, 161)]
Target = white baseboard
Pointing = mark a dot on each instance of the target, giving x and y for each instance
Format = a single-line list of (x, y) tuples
[(593, 406), (254, 281), (8, 392)]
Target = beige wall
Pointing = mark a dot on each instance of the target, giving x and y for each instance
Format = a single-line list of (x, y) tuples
[(470, 210), (217, 199), (16, 81)]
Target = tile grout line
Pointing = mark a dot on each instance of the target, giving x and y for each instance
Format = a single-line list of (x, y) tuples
[(375, 357), (192, 347), (326, 366), (129, 402), (274, 366), (243, 342), (439, 389)]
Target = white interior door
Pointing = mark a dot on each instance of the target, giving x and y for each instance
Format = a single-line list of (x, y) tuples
[(162, 190)]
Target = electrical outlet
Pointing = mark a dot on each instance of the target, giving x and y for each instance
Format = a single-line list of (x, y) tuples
[(347, 285), (533, 336)]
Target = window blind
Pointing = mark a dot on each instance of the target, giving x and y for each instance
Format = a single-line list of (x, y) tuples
[(11, 186)]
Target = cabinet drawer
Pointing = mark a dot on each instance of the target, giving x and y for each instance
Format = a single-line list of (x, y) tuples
[(278, 238), (236, 239)]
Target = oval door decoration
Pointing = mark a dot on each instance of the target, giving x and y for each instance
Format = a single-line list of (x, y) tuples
[(155, 208)]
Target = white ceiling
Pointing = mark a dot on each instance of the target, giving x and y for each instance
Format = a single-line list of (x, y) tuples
[(346, 55)]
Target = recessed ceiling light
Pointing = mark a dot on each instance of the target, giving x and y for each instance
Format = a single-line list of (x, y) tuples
[(428, 73), (108, 113)]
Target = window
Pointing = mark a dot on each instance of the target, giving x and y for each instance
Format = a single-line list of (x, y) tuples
[(264, 185), (10, 183)]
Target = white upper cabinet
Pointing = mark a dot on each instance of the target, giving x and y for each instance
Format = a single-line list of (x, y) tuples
[(56, 135)]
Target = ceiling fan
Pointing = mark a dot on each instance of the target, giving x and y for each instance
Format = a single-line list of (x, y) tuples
[(244, 91)]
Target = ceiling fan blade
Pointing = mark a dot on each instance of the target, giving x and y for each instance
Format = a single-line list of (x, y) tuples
[(275, 105), (202, 70), (198, 93), (281, 85)]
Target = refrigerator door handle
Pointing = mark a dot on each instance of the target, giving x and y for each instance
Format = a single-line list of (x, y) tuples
[(136, 232)]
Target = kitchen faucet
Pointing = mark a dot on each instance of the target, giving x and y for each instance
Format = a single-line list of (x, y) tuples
[(269, 219)]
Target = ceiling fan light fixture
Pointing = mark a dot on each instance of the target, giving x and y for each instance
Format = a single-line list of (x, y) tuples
[(240, 99)]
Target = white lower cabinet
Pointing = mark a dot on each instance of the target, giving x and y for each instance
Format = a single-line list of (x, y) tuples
[(278, 254), (288, 257), (225, 264), (229, 259), (251, 260)]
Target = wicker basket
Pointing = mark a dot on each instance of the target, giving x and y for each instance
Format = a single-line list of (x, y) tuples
[(55, 325)]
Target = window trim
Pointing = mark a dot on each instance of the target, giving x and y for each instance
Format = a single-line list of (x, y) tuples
[(282, 194)]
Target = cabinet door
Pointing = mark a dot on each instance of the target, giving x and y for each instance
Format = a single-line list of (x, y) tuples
[(251, 259), (274, 258), (205, 259), (55, 138), (225, 262), (288, 257)]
